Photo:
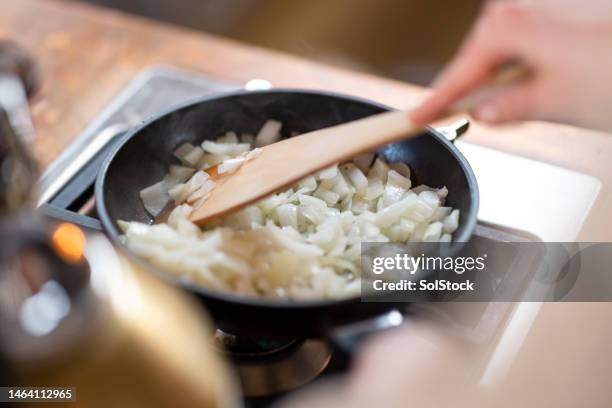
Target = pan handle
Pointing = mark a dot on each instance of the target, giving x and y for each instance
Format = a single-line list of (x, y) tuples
[(349, 337), (452, 131)]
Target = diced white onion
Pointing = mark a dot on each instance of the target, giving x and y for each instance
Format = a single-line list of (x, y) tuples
[(451, 222), (155, 198), (254, 153), (288, 215), (357, 178), (433, 232), (182, 150), (364, 161), (180, 211), (303, 243), (379, 170), (328, 173), (229, 137), (203, 190), (328, 196), (402, 168), (180, 173), (269, 133), (374, 190), (189, 154), (397, 180), (309, 183), (192, 157), (230, 149), (230, 165)]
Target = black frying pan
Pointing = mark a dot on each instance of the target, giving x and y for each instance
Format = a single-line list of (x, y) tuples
[(143, 156)]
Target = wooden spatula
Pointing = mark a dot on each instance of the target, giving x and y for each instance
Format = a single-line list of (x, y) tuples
[(283, 163)]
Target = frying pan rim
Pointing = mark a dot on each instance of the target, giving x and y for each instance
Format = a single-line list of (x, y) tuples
[(111, 230)]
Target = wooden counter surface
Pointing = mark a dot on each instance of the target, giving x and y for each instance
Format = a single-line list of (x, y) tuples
[(88, 54)]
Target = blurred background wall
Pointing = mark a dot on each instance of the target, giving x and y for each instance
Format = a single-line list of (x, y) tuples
[(405, 39)]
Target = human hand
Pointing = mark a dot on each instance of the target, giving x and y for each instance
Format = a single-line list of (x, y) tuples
[(567, 46)]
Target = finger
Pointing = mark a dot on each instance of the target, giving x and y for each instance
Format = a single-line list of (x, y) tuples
[(470, 69), (467, 75), (517, 102), (489, 45)]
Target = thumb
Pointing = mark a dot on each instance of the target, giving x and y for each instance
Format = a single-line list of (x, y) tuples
[(517, 102)]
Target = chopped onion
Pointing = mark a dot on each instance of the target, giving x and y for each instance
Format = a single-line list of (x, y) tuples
[(440, 213), (180, 211), (230, 149), (182, 150), (364, 161), (328, 173), (379, 170), (303, 243), (421, 188), (269, 133), (270, 203), (287, 215), (397, 180), (421, 211), (308, 184), (203, 190), (328, 196), (374, 190), (180, 192), (451, 222), (229, 137), (180, 173), (246, 218), (394, 212), (187, 228), (189, 154), (230, 165), (442, 192), (254, 153), (155, 198), (402, 168), (392, 195), (193, 156), (433, 232), (430, 198), (177, 193), (357, 178), (209, 160), (340, 186)]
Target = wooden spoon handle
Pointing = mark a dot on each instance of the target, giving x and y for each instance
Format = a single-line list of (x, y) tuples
[(342, 142), (283, 163), (508, 75), (346, 140)]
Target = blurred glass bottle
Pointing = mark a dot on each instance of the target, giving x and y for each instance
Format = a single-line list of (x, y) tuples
[(18, 171), (75, 313)]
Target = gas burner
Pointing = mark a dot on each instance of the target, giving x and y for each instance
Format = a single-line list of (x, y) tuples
[(252, 347), (267, 366)]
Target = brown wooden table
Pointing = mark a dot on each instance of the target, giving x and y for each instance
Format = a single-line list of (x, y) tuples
[(88, 54)]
